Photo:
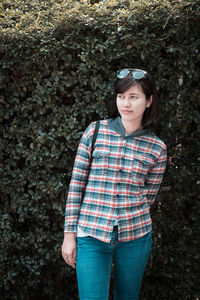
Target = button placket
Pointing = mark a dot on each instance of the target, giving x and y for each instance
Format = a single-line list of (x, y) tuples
[(120, 169)]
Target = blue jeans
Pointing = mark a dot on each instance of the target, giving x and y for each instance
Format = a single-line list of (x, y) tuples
[(94, 265)]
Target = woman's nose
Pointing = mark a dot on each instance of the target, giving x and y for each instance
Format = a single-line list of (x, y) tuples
[(126, 101)]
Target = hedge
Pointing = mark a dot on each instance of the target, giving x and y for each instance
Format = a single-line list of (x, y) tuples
[(58, 62)]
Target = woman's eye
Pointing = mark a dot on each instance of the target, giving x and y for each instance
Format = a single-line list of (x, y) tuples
[(133, 97)]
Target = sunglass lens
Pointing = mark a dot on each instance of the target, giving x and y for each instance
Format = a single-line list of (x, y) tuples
[(138, 74), (122, 73)]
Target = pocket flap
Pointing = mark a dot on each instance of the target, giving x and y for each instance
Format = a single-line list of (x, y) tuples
[(144, 160), (99, 152)]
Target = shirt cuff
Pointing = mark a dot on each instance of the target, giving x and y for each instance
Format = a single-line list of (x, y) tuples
[(70, 227)]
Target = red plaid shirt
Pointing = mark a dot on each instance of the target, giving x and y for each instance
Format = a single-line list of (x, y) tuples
[(124, 179)]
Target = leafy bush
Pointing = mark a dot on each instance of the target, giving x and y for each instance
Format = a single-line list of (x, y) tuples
[(58, 62)]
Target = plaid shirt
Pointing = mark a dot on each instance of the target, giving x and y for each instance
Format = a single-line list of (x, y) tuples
[(124, 178)]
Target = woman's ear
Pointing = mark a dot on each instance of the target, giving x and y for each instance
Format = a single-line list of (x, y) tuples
[(149, 101)]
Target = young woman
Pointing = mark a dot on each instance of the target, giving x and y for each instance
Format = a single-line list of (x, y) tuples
[(112, 223)]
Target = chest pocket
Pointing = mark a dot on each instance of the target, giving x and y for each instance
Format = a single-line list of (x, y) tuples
[(141, 166), (100, 160)]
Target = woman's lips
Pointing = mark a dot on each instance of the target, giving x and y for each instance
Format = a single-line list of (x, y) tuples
[(126, 111)]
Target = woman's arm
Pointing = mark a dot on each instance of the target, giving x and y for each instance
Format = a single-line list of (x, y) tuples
[(74, 199), (78, 181), (155, 176)]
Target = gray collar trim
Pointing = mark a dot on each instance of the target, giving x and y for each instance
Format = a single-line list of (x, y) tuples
[(116, 125)]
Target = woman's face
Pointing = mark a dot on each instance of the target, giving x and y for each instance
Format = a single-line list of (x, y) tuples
[(132, 104)]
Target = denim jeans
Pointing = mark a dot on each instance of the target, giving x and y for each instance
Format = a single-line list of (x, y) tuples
[(94, 265)]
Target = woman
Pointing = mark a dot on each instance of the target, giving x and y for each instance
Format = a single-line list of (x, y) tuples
[(112, 223)]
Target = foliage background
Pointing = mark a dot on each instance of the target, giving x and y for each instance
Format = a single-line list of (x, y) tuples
[(57, 67)]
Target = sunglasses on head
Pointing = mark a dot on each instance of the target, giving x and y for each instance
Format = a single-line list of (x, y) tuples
[(136, 73)]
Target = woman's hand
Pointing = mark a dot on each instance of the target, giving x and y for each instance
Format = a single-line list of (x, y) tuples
[(69, 249)]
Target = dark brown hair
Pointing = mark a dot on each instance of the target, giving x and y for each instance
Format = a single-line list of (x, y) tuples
[(148, 87)]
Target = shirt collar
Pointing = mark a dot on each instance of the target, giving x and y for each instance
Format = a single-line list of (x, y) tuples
[(116, 125)]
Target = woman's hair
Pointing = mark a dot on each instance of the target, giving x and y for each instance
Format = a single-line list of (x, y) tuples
[(148, 87)]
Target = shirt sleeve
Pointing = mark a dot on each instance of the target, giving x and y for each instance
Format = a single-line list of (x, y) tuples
[(155, 176), (78, 180)]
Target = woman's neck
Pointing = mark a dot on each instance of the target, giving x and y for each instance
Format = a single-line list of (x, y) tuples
[(131, 126)]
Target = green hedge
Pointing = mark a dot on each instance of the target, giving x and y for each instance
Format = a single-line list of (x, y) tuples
[(58, 61)]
